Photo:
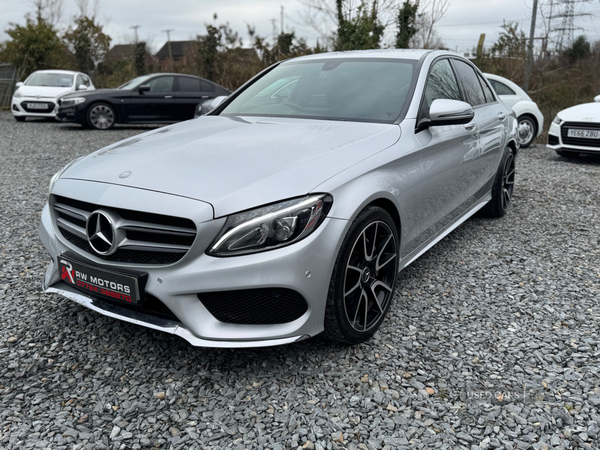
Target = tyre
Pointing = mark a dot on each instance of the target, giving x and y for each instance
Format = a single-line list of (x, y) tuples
[(567, 153), (503, 187), (20, 118), (364, 278), (101, 116), (527, 129)]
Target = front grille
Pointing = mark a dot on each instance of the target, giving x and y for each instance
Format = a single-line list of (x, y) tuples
[(49, 106), (266, 306), (583, 142), (150, 239)]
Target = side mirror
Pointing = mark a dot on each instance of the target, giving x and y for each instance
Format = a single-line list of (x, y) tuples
[(450, 112), (144, 88), (19, 84), (82, 87), (596, 98), (215, 102)]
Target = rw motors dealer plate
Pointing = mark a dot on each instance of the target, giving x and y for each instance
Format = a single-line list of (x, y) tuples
[(99, 282)]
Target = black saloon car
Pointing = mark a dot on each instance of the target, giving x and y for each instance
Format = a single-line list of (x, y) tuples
[(155, 98)]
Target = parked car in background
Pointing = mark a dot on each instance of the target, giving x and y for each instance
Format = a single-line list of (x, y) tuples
[(155, 98), (529, 116), (576, 130), (38, 95), (272, 219)]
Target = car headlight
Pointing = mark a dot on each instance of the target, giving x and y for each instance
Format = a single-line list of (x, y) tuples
[(271, 226), (72, 101), (557, 120), (17, 94), (57, 175)]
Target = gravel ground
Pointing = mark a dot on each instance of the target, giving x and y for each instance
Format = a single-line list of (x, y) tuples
[(492, 341)]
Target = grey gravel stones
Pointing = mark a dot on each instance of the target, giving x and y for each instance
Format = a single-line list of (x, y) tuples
[(492, 342)]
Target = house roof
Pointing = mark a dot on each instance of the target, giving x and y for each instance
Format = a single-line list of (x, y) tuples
[(178, 48)]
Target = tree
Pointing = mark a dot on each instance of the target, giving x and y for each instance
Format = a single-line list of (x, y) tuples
[(407, 23), (581, 49), (361, 32), (512, 42), (88, 42), (322, 15), (35, 46), (209, 46), (139, 58), (432, 11)]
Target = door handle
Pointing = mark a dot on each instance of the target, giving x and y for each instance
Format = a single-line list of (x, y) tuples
[(204, 96), (168, 96), (470, 126), (501, 116)]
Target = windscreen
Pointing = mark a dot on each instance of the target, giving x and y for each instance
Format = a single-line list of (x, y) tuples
[(50, 79), (359, 89), (137, 81)]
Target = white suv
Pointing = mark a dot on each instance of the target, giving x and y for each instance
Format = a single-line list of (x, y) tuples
[(38, 95)]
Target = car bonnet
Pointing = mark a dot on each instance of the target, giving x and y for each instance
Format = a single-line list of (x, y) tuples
[(236, 163)]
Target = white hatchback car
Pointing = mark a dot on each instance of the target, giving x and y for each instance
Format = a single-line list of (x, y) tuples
[(576, 130), (531, 119), (38, 95)]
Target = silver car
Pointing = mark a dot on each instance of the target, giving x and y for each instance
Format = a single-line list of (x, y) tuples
[(279, 217)]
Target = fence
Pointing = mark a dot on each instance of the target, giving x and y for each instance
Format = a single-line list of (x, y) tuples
[(8, 78)]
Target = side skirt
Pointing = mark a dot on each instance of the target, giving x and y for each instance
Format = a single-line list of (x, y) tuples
[(415, 254)]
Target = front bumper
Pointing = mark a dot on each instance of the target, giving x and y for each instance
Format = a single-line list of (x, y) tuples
[(556, 142), (304, 267), (19, 109), (75, 113)]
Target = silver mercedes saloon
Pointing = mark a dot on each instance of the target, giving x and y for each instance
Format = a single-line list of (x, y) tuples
[(289, 209)]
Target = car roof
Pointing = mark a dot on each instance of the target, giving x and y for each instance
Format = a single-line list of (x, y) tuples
[(392, 53), (67, 72)]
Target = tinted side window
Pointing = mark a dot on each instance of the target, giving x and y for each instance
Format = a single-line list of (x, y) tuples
[(441, 83), (489, 96), (189, 84), (206, 87), (501, 88), (470, 83), (161, 84)]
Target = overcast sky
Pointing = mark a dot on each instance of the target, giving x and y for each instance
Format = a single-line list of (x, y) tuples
[(459, 29)]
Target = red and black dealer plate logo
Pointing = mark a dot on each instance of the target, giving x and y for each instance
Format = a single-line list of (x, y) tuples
[(99, 282)]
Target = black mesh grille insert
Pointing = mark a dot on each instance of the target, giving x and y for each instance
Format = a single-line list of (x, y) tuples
[(265, 306), (583, 142), (552, 140), (151, 306)]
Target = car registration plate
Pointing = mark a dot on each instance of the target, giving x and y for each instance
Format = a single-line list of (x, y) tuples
[(37, 106), (587, 134), (99, 282)]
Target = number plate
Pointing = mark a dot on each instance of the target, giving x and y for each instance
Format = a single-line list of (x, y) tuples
[(37, 106), (587, 134), (99, 282)]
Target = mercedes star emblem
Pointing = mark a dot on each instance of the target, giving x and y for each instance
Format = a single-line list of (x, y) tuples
[(101, 233)]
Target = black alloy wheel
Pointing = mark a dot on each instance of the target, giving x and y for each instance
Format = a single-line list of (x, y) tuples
[(364, 278), (101, 116), (504, 184)]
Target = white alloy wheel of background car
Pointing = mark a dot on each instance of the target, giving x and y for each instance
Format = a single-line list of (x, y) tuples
[(529, 116)]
